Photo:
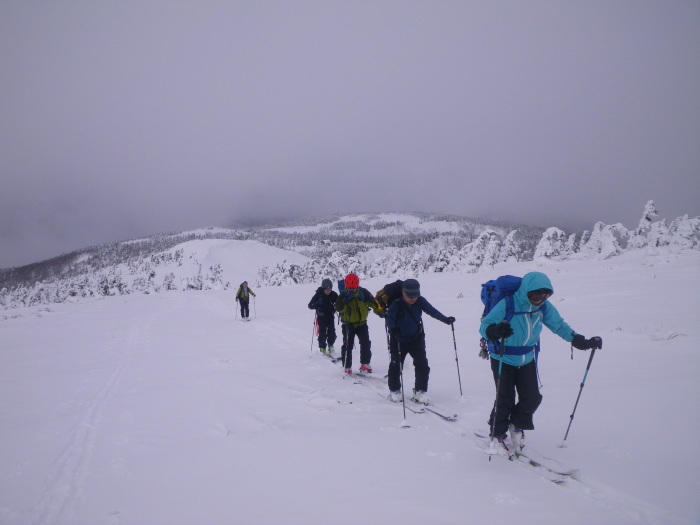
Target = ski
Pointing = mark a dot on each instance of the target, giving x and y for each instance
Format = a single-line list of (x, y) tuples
[(548, 468), (441, 413), (409, 408), (537, 460), (333, 359), (375, 378)]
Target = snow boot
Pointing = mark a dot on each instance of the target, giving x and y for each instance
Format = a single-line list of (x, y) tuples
[(323, 351), (366, 368), (395, 396), (517, 438), (504, 444), (419, 396)]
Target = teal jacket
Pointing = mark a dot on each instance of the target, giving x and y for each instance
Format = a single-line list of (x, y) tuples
[(527, 327)]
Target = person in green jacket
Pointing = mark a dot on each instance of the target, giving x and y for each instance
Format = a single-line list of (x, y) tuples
[(354, 304), (243, 298)]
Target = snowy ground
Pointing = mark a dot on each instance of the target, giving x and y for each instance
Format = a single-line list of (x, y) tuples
[(165, 409)]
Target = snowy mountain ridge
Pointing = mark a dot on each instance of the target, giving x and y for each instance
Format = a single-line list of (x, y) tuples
[(371, 245)]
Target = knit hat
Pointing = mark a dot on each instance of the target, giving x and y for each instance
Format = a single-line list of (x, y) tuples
[(411, 288), (326, 284)]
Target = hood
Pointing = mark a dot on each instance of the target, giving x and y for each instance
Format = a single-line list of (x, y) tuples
[(532, 281)]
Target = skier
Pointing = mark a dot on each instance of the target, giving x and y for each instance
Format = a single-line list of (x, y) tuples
[(515, 367), (407, 336), (323, 302), (243, 298), (353, 304)]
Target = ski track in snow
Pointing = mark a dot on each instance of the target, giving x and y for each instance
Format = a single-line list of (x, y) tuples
[(63, 487)]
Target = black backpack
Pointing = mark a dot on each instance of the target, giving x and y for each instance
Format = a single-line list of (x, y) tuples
[(387, 295)]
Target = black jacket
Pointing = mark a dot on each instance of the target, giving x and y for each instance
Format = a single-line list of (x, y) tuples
[(322, 303), (408, 318)]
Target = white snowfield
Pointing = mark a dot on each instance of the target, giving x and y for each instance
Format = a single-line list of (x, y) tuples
[(167, 409)]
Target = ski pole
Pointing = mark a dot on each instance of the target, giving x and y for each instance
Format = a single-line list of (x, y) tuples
[(313, 331), (459, 377), (498, 390), (388, 343), (571, 417), (344, 348), (255, 310), (236, 319), (403, 399)]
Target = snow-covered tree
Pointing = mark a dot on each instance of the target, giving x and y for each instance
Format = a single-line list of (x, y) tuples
[(552, 244), (492, 252), (442, 258), (659, 234), (605, 241), (169, 282), (685, 232), (484, 249), (511, 249), (638, 238), (571, 246)]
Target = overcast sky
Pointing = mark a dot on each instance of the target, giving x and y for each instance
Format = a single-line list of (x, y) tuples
[(121, 119)]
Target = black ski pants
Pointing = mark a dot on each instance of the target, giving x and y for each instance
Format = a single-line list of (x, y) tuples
[(399, 351), (245, 312), (362, 333), (326, 330), (520, 379)]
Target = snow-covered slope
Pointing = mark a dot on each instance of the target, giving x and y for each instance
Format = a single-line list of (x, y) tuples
[(163, 408), (237, 260)]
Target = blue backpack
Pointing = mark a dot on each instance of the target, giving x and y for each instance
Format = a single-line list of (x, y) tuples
[(493, 292), (341, 289)]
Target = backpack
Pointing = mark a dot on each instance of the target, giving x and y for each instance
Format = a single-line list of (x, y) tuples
[(387, 295), (341, 289), (492, 292)]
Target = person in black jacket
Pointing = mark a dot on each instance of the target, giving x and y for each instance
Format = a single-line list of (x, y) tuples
[(323, 302), (405, 325)]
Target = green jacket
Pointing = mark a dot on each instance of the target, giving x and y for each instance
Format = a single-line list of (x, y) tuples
[(354, 306), (244, 294)]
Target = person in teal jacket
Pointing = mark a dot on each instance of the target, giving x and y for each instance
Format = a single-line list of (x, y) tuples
[(515, 366)]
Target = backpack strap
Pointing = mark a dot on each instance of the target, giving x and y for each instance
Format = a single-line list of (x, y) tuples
[(510, 313), (510, 308), (403, 307)]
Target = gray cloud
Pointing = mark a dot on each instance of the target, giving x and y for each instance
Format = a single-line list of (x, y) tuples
[(123, 119)]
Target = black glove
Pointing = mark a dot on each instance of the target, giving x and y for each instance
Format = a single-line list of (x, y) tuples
[(499, 331), (450, 320), (581, 343)]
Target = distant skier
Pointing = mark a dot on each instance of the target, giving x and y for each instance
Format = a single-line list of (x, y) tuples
[(323, 302), (243, 298), (407, 337), (353, 304), (517, 364)]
